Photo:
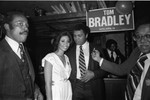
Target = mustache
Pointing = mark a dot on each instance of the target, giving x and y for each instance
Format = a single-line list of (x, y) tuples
[(24, 32)]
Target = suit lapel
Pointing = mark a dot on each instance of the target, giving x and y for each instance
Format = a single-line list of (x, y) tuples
[(91, 64), (14, 60), (31, 70), (107, 55), (74, 58)]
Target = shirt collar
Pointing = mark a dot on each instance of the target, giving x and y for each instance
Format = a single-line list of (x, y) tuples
[(148, 55), (108, 50), (13, 44), (84, 45)]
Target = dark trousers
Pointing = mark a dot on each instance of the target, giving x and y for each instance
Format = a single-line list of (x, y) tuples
[(82, 91)]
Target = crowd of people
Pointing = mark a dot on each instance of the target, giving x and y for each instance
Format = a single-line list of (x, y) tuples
[(75, 69)]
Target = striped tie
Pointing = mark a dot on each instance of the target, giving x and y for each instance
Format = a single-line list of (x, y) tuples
[(21, 52), (134, 78), (82, 62)]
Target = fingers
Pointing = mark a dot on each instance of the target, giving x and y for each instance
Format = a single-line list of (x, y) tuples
[(88, 76), (94, 49), (85, 79), (95, 55), (95, 52)]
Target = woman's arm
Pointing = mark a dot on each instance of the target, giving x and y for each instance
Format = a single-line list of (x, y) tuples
[(48, 79)]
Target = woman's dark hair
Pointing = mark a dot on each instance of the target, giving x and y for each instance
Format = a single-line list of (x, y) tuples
[(57, 39), (109, 42), (83, 27)]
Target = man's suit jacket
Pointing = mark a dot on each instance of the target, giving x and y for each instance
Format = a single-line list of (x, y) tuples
[(12, 86), (125, 67), (120, 57), (97, 83)]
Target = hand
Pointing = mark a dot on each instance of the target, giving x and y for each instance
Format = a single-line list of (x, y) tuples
[(96, 55), (38, 95), (87, 76)]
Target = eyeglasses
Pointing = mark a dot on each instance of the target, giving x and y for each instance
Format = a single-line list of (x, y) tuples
[(21, 24), (139, 37)]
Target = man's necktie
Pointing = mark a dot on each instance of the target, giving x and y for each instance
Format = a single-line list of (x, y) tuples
[(82, 65), (134, 78), (22, 52), (112, 57), (24, 67)]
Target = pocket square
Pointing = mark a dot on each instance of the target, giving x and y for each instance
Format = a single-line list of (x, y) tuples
[(147, 82)]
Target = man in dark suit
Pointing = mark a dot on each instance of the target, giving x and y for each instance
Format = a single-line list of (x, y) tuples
[(136, 66), (112, 53), (87, 83), (16, 70)]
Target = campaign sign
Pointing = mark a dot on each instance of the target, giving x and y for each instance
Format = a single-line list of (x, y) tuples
[(109, 19)]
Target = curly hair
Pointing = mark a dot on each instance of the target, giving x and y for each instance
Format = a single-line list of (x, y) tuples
[(83, 27), (109, 42)]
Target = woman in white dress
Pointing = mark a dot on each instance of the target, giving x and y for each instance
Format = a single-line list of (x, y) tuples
[(57, 70)]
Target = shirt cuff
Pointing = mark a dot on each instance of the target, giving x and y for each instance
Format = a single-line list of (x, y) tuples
[(101, 61)]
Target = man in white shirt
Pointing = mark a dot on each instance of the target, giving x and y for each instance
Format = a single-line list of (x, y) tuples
[(141, 92), (87, 82), (16, 70)]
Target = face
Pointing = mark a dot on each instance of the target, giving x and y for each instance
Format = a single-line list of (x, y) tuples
[(143, 38), (64, 43), (19, 30), (79, 37), (112, 47)]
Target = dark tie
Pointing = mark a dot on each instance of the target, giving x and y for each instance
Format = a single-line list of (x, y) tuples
[(112, 57), (134, 78), (22, 52), (24, 67), (82, 65)]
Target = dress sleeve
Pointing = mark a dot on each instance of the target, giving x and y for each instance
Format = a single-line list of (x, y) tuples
[(48, 58)]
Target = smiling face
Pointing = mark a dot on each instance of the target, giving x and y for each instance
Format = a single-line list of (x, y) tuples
[(64, 43), (17, 29), (143, 40)]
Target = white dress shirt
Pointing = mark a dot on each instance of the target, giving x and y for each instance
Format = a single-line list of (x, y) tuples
[(14, 45), (114, 54), (138, 92), (85, 48)]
